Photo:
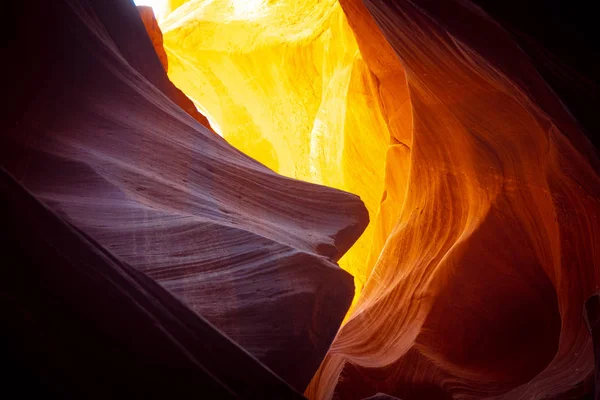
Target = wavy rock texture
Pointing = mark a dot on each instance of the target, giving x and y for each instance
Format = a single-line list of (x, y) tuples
[(134, 47), (94, 133), (592, 307), (484, 192), (285, 83), (79, 323), (478, 291)]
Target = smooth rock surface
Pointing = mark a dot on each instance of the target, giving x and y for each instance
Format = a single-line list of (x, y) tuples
[(483, 190), (479, 288), (592, 308), (484, 241), (285, 83), (154, 33), (93, 131), (79, 323)]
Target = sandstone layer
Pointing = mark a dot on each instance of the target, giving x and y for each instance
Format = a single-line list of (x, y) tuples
[(475, 279), (483, 191), (79, 323), (285, 83), (95, 131), (154, 33), (478, 290)]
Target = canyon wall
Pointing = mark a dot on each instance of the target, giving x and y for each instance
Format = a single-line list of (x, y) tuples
[(483, 191), (96, 132), (80, 323), (478, 291), (285, 83)]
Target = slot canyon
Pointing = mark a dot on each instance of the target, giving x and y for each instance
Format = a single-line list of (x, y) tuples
[(320, 199)]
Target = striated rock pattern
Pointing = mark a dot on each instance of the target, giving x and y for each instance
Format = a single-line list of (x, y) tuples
[(141, 57), (483, 191), (592, 308), (140, 52), (104, 145), (79, 323), (475, 280), (285, 83), (478, 290), (154, 33)]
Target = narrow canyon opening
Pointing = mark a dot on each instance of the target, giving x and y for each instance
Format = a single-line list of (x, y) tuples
[(292, 86), (195, 174), (285, 82)]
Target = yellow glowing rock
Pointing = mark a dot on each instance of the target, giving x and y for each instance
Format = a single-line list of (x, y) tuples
[(489, 239), (482, 191), (286, 84), (173, 4)]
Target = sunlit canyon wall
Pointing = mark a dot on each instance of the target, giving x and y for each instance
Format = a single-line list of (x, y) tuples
[(483, 192), (287, 85), (145, 256)]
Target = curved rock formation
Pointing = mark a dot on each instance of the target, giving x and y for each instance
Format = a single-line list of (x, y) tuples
[(483, 190), (592, 307), (478, 290), (79, 323), (154, 33), (93, 132), (285, 83), (485, 240), (131, 41)]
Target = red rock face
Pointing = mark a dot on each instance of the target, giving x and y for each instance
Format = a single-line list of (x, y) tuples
[(156, 38), (144, 56), (154, 33), (482, 277), (163, 238), (592, 307)]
